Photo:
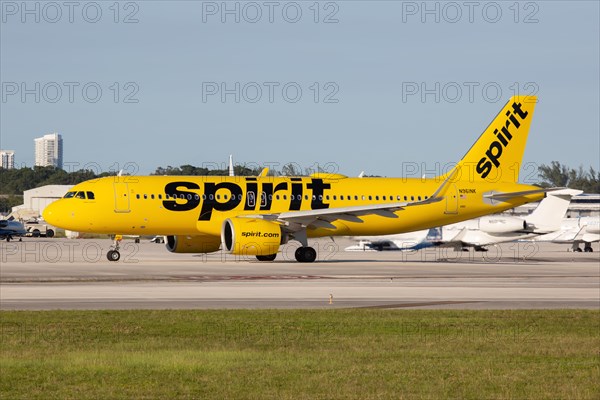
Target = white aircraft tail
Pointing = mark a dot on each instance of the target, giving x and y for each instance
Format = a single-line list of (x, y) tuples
[(547, 217)]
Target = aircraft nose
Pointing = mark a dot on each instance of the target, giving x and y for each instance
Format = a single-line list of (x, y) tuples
[(51, 214)]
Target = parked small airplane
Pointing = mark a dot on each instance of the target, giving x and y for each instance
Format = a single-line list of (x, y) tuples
[(480, 232), (10, 229), (575, 231)]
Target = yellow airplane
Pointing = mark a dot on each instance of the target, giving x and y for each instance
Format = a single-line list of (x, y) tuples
[(255, 215)]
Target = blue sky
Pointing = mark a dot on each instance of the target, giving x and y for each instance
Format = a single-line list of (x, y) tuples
[(345, 90)]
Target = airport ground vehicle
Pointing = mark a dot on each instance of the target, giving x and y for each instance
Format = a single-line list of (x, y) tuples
[(38, 228)]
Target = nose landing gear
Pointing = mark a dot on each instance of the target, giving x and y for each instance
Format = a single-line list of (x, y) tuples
[(113, 254)]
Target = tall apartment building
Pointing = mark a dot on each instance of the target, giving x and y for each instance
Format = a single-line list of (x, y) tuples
[(8, 159), (49, 150)]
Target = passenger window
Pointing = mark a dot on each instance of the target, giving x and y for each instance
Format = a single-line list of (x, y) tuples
[(412, 198), (251, 199), (285, 197), (370, 197), (196, 197), (145, 196), (152, 196), (376, 197), (363, 197), (334, 197), (160, 196), (218, 197), (137, 196), (383, 198), (355, 197), (90, 195), (277, 197), (69, 195), (405, 198), (80, 195), (419, 198), (398, 198)]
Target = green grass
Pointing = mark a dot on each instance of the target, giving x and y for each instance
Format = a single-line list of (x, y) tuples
[(300, 354)]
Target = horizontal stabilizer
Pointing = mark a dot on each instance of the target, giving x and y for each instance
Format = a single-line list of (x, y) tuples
[(505, 196)]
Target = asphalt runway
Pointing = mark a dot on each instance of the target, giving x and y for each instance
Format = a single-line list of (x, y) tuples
[(42, 274)]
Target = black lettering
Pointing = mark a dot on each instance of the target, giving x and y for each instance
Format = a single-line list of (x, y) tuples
[(251, 191), (191, 202), (517, 108), (494, 156), (484, 167), (266, 196), (513, 119), (296, 201), (507, 133), (210, 190), (500, 137), (318, 187)]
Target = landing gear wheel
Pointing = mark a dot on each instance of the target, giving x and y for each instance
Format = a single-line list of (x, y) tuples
[(305, 254), (269, 257), (113, 255)]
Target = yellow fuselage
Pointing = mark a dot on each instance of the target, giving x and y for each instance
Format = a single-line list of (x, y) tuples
[(198, 205)]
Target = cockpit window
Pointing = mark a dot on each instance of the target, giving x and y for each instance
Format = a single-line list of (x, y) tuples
[(69, 195), (80, 195), (90, 195)]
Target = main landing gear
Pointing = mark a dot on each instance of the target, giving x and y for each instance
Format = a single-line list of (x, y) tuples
[(305, 254), (113, 254), (587, 247)]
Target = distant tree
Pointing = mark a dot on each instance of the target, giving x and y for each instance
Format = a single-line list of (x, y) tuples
[(291, 169), (559, 175)]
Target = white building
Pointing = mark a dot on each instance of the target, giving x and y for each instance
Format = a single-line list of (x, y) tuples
[(8, 159), (49, 151), (37, 199)]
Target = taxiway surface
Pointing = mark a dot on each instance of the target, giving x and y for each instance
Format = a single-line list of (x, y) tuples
[(75, 274)]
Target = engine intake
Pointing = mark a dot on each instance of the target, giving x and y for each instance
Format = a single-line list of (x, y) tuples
[(252, 237)]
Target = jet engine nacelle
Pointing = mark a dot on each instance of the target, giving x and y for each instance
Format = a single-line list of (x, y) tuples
[(502, 224), (252, 237), (193, 244), (593, 228)]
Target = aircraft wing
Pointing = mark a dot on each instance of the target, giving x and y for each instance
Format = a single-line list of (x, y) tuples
[(323, 218)]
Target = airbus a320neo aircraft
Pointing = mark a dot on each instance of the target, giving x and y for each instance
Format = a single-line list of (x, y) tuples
[(255, 215)]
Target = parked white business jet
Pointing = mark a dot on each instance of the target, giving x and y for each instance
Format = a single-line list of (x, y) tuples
[(575, 231), (480, 232)]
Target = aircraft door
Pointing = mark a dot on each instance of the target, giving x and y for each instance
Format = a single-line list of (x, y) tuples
[(451, 200), (121, 197)]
